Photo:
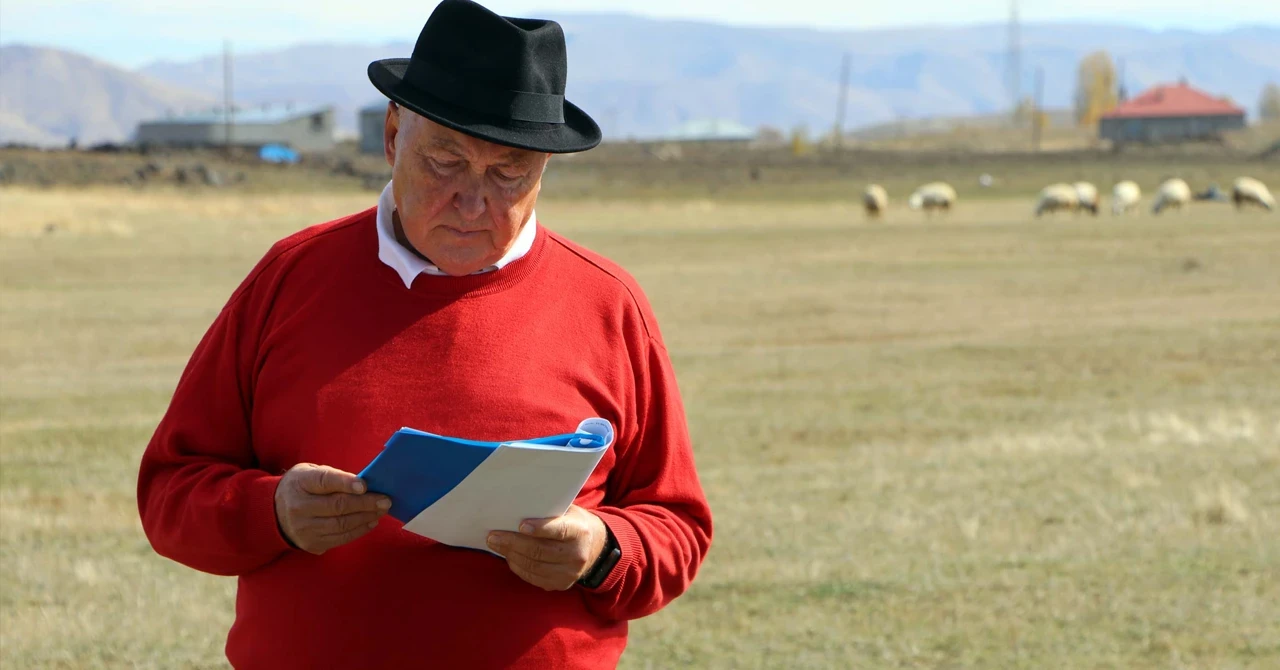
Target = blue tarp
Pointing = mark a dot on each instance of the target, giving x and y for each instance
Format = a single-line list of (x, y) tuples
[(278, 153)]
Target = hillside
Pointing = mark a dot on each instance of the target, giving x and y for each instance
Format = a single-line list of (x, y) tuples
[(640, 77), (48, 96)]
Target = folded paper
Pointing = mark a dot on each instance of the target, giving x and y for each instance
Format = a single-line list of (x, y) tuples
[(455, 490)]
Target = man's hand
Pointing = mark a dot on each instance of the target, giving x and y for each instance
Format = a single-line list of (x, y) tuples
[(552, 554), (319, 507)]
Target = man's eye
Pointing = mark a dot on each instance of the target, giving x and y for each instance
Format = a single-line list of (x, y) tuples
[(443, 165), (509, 177)]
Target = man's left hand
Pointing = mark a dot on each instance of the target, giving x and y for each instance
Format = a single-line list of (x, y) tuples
[(552, 554)]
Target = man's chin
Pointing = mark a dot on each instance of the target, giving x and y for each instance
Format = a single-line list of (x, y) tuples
[(462, 268)]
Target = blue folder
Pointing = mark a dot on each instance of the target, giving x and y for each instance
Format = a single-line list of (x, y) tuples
[(415, 469)]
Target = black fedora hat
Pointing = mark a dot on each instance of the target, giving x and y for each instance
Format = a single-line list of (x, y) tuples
[(496, 78)]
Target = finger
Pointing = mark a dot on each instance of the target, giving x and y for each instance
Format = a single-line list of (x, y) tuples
[(324, 479), (561, 528), (539, 550), (338, 504), (337, 525), (536, 580), (541, 575), (331, 541), (503, 542)]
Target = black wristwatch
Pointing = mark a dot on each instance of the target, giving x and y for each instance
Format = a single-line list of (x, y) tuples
[(609, 557)]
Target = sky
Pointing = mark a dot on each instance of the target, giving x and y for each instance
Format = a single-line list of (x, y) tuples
[(131, 33)]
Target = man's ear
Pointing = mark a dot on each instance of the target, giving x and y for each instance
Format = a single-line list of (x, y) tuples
[(391, 128)]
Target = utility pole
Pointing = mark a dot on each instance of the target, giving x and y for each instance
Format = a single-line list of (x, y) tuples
[(1122, 93), (228, 106), (1014, 57), (843, 100), (1037, 119)]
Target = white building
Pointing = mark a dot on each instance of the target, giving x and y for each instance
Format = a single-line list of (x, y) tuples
[(304, 128), (711, 130), (371, 121)]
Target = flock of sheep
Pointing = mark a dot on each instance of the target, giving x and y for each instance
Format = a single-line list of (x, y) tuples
[(1083, 197)]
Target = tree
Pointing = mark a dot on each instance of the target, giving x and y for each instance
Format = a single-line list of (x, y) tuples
[(1269, 103), (1024, 111), (1095, 88), (800, 140), (768, 136)]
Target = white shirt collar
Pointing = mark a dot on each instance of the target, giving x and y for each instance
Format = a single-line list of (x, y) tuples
[(408, 265)]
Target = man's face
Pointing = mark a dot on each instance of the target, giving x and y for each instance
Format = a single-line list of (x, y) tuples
[(461, 200)]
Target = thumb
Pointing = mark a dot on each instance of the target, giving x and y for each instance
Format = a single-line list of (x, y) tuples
[(323, 479)]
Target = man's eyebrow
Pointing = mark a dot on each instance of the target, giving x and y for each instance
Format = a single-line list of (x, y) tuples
[(512, 158), (516, 158), (444, 143)]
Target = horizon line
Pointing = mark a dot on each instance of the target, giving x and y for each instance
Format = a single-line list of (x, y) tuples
[(9, 41)]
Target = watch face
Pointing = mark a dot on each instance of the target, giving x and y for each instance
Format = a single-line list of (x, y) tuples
[(600, 571)]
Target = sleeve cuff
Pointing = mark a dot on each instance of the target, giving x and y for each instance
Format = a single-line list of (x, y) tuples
[(628, 542), (263, 528)]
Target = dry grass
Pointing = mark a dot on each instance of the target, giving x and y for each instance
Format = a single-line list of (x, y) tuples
[(980, 442)]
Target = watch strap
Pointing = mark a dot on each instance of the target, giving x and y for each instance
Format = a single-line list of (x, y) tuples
[(609, 557)]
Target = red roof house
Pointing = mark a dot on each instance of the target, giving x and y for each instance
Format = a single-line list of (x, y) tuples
[(1170, 113)]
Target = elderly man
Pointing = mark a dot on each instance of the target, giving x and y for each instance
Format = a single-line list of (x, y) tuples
[(449, 308)]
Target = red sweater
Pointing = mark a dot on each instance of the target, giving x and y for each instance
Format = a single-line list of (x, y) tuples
[(322, 353)]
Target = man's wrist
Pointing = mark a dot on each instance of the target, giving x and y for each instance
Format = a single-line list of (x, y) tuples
[(275, 512), (610, 554)]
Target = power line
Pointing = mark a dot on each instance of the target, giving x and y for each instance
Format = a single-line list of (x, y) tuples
[(1122, 93), (843, 100), (1014, 58), (228, 105), (1038, 117)]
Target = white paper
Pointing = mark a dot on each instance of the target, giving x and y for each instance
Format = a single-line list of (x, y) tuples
[(518, 481)]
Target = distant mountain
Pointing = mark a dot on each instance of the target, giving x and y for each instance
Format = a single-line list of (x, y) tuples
[(49, 96), (641, 77), (653, 74), (307, 74)]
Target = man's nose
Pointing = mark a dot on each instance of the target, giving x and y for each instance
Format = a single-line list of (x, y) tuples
[(469, 201)]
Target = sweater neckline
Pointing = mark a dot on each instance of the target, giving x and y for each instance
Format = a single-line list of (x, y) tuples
[(468, 286)]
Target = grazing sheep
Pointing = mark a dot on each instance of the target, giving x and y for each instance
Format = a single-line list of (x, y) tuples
[(1088, 195), (875, 200), (1173, 193), (1125, 197), (934, 195), (1057, 198), (1249, 191)]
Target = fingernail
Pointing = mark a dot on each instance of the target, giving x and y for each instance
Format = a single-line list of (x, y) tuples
[(526, 528), (358, 487), (385, 503), (493, 541), (373, 524)]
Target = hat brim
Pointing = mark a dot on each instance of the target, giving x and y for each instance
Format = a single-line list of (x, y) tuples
[(578, 133)]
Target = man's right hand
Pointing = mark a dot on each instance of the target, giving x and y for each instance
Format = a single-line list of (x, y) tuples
[(319, 507)]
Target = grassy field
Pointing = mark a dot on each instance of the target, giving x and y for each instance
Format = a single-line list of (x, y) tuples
[(974, 442), (646, 171)]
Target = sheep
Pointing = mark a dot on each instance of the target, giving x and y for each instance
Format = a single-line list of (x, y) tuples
[(934, 195), (1173, 193), (1088, 196), (875, 200), (1249, 191), (1125, 197), (1057, 198)]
